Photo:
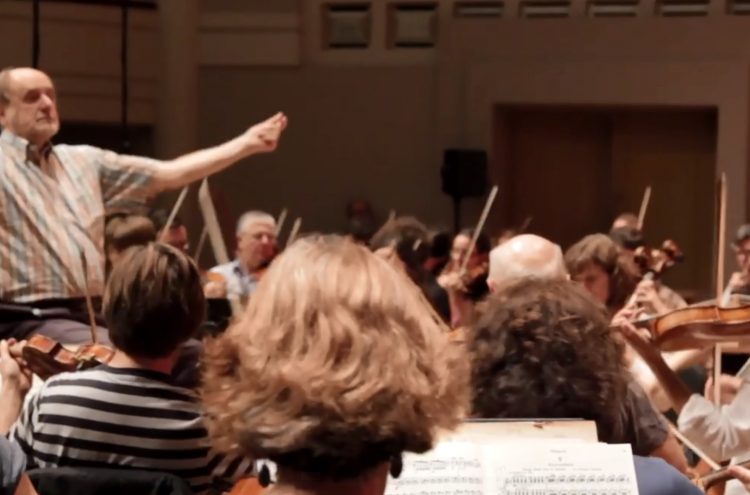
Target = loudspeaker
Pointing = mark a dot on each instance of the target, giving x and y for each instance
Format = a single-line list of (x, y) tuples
[(464, 173)]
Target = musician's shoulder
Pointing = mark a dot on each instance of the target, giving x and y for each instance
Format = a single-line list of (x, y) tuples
[(657, 477)]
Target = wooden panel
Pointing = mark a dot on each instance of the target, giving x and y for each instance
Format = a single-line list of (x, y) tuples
[(558, 163), (674, 151)]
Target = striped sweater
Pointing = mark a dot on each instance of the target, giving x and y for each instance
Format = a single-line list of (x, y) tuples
[(132, 418)]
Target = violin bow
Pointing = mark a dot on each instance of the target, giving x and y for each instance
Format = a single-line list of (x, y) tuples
[(214, 235), (293, 233), (525, 225), (721, 248), (644, 207), (173, 213), (700, 453), (280, 221), (201, 243), (480, 225), (87, 295)]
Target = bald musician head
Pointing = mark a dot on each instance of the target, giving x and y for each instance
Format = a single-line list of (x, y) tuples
[(28, 105), (525, 256)]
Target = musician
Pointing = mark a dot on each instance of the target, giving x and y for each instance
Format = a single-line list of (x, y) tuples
[(53, 200), (525, 256), (123, 231), (611, 276), (543, 349), (406, 241), (360, 220), (13, 480), (334, 371), (739, 283), (720, 431), (256, 248), (177, 233), (126, 413), (625, 220), (530, 257), (627, 238), (466, 289)]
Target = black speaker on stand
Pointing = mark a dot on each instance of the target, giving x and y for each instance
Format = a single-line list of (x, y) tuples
[(464, 174)]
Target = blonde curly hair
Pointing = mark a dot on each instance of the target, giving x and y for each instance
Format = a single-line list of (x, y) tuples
[(337, 365)]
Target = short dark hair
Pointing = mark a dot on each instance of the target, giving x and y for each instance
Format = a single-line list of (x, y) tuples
[(410, 238), (153, 301), (627, 237), (123, 231), (544, 349), (160, 216), (484, 243)]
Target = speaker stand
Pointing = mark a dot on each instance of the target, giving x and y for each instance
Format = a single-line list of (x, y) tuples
[(456, 214)]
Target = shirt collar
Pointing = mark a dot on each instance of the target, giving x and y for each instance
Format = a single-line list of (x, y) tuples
[(31, 152), (240, 270)]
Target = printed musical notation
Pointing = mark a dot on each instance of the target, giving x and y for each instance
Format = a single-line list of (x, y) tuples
[(449, 469), (518, 468)]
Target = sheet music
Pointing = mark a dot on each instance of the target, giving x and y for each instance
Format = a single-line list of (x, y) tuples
[(562, 468), (527, 467), (452, 468)]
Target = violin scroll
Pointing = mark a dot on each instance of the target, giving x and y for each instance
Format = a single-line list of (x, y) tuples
[(656, 261)]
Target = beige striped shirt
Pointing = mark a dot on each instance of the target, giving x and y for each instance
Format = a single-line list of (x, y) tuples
[(53, 211)]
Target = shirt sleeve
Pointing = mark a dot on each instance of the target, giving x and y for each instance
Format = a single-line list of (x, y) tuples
[(722, 432), (22, 432), (647, 430), (127, 181), (12, 466)]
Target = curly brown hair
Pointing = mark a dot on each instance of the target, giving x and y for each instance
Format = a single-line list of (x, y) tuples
[(543, 349), (601, 250), (337, 365)]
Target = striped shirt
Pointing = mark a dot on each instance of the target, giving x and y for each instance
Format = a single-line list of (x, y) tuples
[(52, 210), (116, 417)]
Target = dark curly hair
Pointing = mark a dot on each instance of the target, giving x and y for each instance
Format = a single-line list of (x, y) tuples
[(543, 349)]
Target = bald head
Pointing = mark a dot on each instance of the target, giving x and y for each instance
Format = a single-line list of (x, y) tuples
[(525, 256), (28, 104)]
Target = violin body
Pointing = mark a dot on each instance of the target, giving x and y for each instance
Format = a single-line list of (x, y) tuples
[(696, 327), (46, 357)]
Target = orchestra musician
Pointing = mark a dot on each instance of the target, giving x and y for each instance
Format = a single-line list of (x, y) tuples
[(467, 288), (626, 219), (53, 200), (256, 248), (406, 242), (610, 275), (721, 431), (543, 349), (334, 372), (177, 233), (528, 256), (127, 413), (123, 231)]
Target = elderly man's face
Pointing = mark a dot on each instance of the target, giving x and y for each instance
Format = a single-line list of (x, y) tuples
[(256, 244), (31, 109)]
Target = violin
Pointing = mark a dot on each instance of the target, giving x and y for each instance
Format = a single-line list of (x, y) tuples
[(698, 327), (713, 480), (654, 262), (46, 357)]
